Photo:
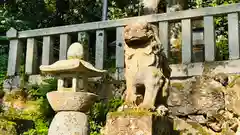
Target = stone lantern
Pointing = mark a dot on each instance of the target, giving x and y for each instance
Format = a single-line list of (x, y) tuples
[(71, 102)]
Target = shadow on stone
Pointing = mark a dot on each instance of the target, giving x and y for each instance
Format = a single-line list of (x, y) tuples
[(163, 125)]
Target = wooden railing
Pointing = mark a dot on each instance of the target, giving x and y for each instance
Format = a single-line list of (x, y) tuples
[(187, 68)]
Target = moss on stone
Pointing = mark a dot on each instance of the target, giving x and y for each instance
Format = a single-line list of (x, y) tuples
[(226, 131), (199, 128), (131, 112), (189, 127), (209, 66), (66, 89), (156, 73), (75, 57), (233, 82), (178, 85)]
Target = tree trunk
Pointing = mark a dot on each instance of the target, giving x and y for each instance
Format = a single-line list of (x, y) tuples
[(150, 6), (176, 5), (161, 6)]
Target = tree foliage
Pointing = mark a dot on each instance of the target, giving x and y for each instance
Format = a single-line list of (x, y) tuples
[(32, 14), (221, 26)]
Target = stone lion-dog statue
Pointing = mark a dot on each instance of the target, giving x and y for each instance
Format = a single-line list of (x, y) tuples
[(147, 70)]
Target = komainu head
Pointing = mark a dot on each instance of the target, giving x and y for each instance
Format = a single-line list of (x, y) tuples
[(138, 33)]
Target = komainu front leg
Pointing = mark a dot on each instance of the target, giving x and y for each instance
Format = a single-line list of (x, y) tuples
[(130, 92), (153, 84), (150, 96)]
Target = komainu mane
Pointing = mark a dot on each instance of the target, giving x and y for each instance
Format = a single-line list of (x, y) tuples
[(147, 69)]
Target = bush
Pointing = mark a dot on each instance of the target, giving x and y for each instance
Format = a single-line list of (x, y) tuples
[(7, 127), (38, 93), (43, 113), (38, 109), (98, 113)]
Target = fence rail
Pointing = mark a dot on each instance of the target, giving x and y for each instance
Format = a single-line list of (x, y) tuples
[(187, 68), (192, 13)]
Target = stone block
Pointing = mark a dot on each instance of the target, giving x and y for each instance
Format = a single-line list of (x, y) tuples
[(11, 83), (15, 82), (232, 97), (38, 79), (137, 123)]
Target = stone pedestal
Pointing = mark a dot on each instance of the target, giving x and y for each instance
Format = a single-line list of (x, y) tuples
[(70, 107), (137, 123)]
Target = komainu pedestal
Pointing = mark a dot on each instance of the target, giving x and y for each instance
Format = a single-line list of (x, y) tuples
[(137, 123)]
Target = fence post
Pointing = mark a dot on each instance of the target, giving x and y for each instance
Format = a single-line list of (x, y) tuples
[(31, 57), (209, 38), (47, 50), (14, 59), (101, 48), (163, 35), (186, 41), (233, 36), (15, 52), (65, 42), (120, 53)]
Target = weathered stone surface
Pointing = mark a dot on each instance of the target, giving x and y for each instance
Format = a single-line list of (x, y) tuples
[(198, 118), (208, 102), (71, 101), (232, 97), (194, 128), (197, 96), (11, 83), (199, 100), (38, 79), (69, 123), (137, 123), (146, 64), (191, 128), (143, 123)]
